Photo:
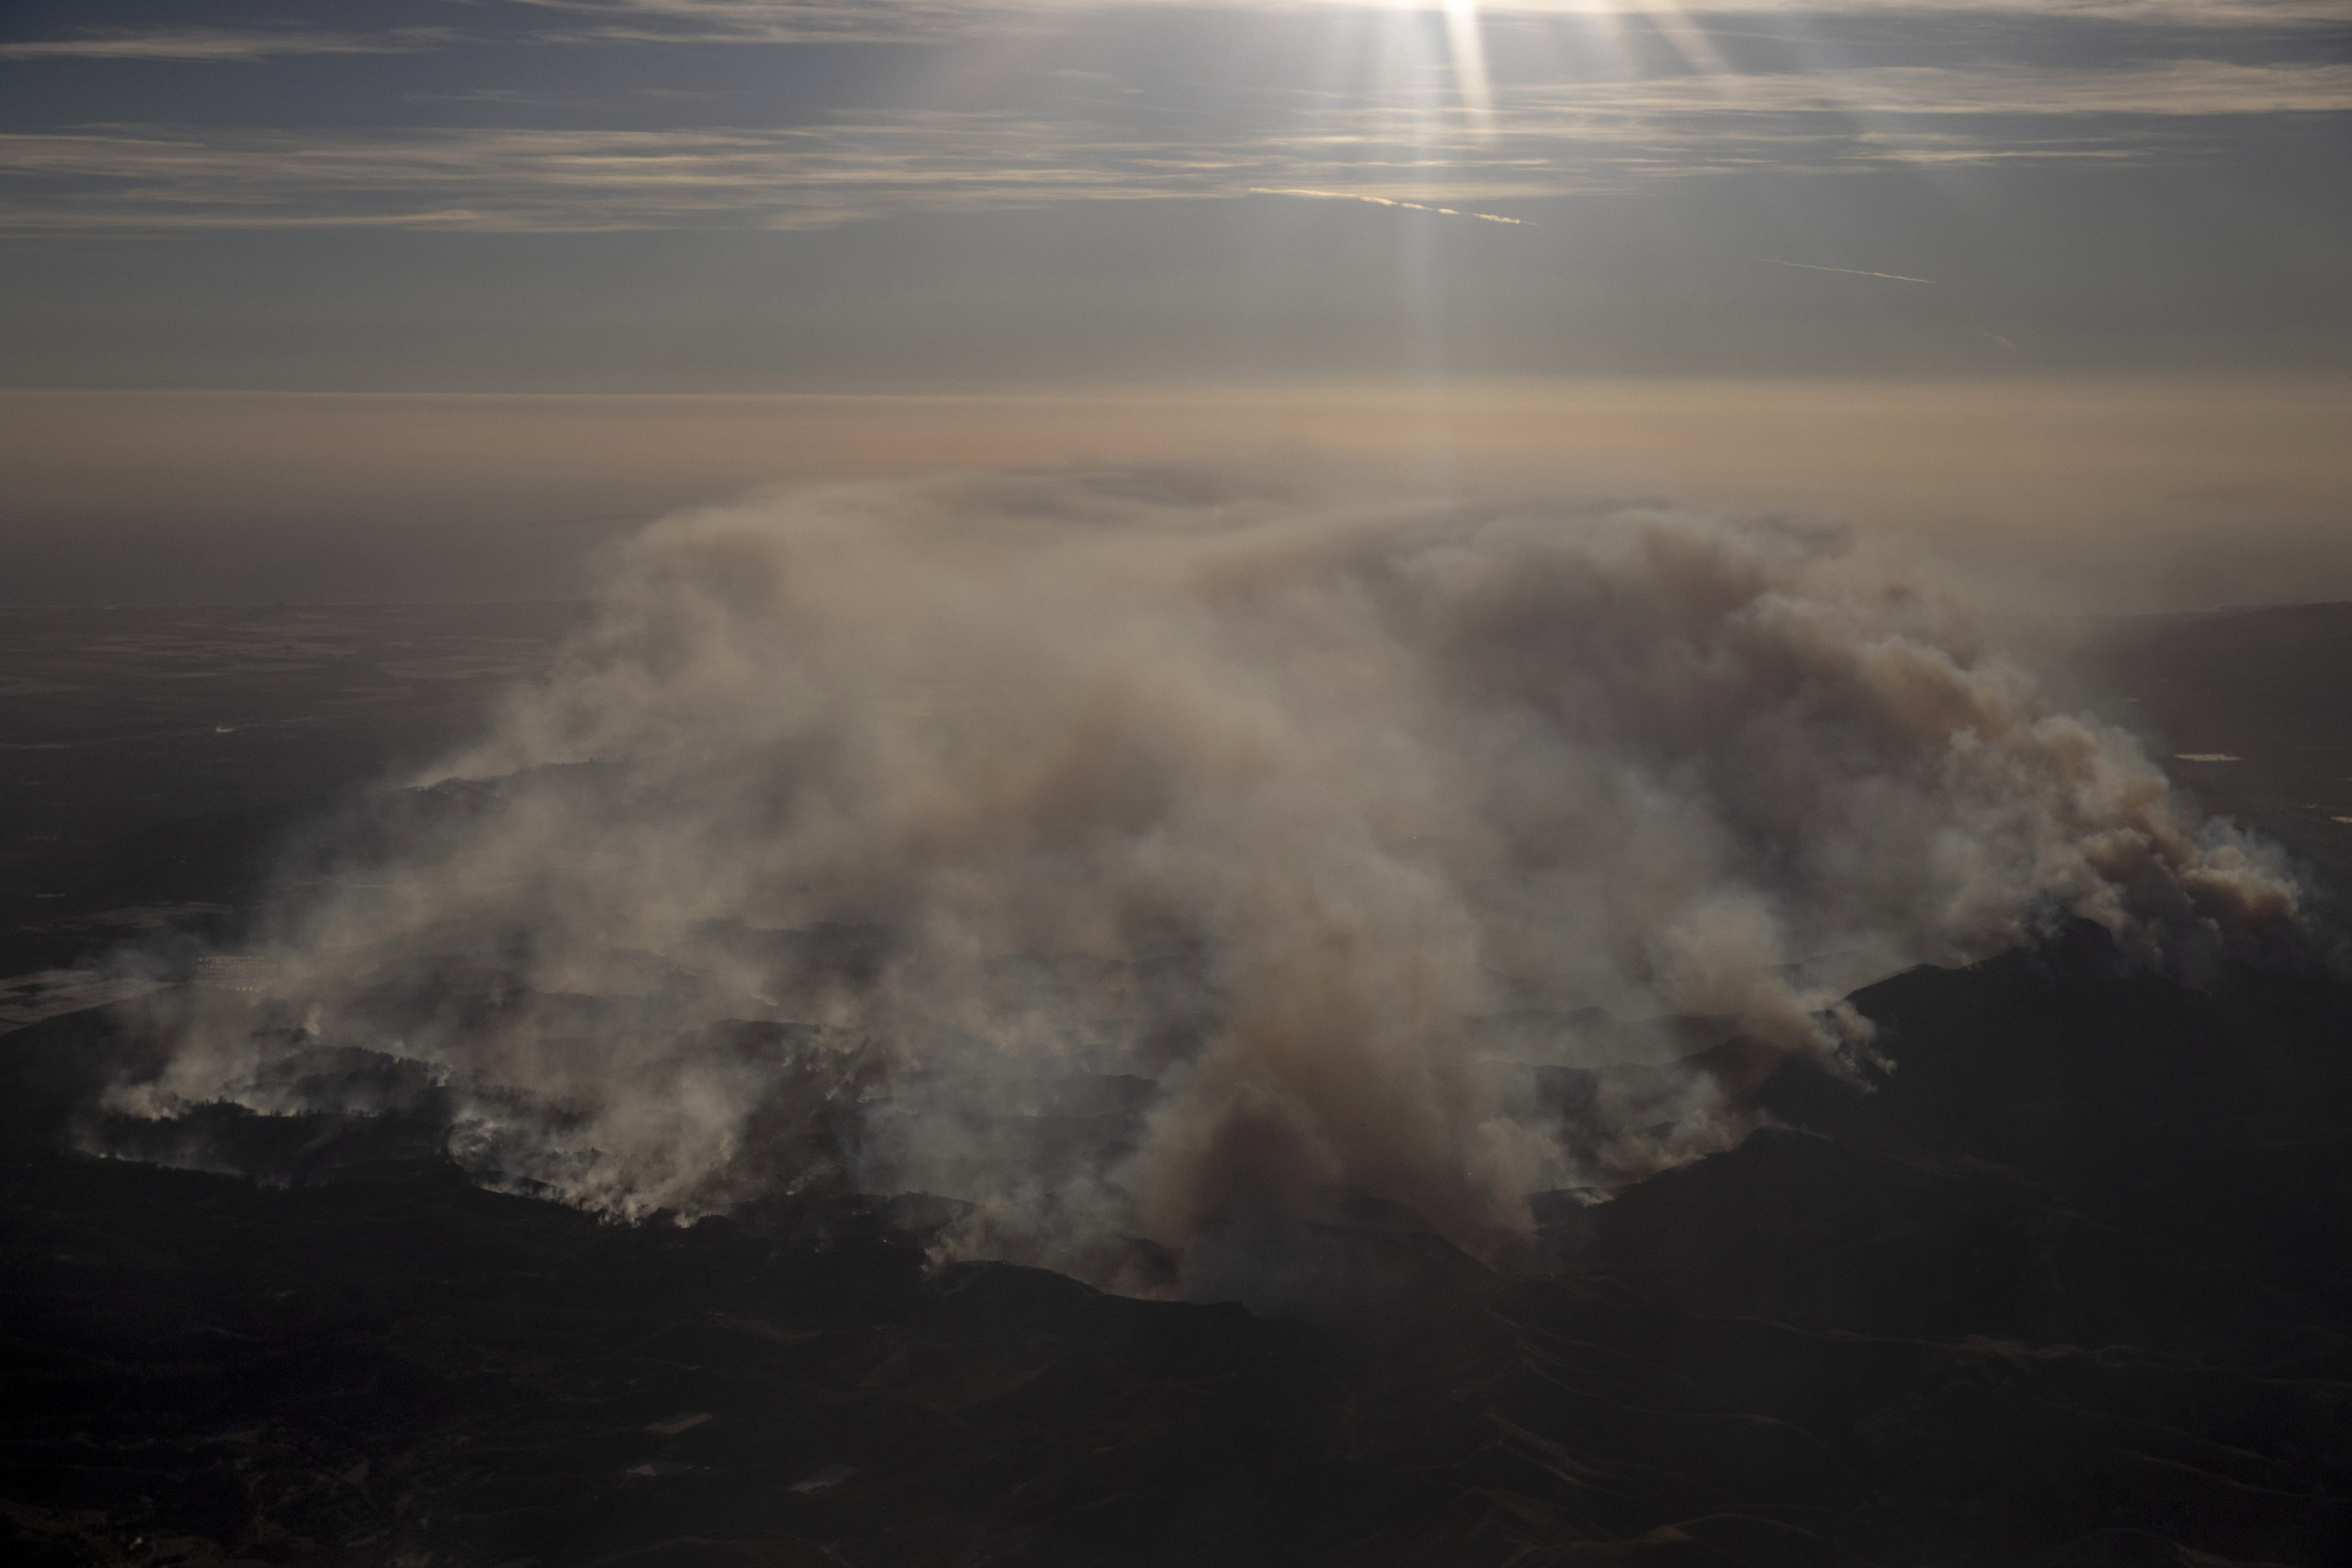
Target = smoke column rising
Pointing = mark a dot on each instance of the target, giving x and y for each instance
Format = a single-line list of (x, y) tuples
[(1305, 825)]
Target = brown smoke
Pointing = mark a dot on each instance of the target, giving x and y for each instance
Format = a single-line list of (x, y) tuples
[(1317, 821)]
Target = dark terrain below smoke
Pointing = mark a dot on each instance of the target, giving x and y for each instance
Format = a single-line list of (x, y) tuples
[(2066, 1289)]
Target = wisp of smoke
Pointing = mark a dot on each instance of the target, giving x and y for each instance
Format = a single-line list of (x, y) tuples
[(1119, 853)]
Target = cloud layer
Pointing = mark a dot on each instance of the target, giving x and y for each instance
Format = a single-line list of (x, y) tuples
[(222, 46), (790, 22), (1544, 140)]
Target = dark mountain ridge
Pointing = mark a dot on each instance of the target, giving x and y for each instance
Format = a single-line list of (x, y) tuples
[(2065, 1287)]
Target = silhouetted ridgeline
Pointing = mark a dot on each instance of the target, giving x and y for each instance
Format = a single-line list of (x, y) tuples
[(2067, 1288)]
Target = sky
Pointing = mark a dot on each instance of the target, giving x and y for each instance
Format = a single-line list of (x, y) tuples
[(425, 298)]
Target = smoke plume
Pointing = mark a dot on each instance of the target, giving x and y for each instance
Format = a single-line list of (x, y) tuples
[(1117, 853)]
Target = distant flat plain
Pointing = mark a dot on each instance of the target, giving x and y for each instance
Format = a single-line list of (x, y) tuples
[(152, 759)]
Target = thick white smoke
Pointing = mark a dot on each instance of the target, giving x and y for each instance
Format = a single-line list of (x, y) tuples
[(1118, 852)]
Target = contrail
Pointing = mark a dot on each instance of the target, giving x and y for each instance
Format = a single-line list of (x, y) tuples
[(1856, 271), (1386, 202)]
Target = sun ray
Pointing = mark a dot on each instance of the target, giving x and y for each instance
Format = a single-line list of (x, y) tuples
[(1466, 49)]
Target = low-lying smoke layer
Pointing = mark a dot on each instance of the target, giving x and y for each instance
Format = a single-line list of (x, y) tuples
[(1118, 852)]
